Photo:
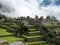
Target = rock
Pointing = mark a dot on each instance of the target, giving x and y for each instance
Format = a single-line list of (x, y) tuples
[(17, 43), (3, 42)]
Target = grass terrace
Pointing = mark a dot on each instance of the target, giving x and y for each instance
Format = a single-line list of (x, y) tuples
[(56, 30), (33, 36), (38, 42), (50, 25), (34, 32), (8, 36), (34, 29)]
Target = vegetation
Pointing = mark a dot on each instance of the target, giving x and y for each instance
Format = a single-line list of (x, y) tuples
[(21, 29), (28, 29), (0, 16), (8, 36), (51, 35)]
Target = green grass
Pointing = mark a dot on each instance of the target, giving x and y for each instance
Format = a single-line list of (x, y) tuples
[(42, 42), (10, 39), (14, 24), (3, 32), (32, 29), (34, 32), (50, 25), (45, 44), (33, 36)]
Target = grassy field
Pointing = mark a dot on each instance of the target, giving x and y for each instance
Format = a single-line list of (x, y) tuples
[(8, 36)]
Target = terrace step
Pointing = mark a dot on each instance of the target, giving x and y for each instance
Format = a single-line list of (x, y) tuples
[(11, 30), (36, 43), (37, 36), (33, 29), (34, 39), (45, 44), (30, 26), (33, 33)]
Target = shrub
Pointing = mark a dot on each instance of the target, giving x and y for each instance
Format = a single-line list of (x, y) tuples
[(51, 35)]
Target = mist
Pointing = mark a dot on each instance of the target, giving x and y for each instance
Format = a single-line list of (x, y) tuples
[(15, 8)]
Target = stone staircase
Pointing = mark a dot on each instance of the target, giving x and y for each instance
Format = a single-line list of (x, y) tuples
[(34, 37)]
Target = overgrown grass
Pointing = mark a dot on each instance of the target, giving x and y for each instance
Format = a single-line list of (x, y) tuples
[(10, 38)]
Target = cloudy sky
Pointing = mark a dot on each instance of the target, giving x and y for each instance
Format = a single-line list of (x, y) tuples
[(15, 8)]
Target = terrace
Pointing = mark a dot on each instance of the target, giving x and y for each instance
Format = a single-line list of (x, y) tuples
[(8, 36)]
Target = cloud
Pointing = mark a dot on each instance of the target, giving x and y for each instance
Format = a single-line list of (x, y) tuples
[(52, 9), (32, 8)]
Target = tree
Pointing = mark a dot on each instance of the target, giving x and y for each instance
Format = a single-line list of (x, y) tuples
[(4, 17), (36, 17), (0, 5), (21, 29), (54, 17), (41, 18), (28, 17), (0, 16), (48, 17)]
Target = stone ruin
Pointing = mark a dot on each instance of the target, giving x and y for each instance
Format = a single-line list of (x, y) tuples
[(4, 42)]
